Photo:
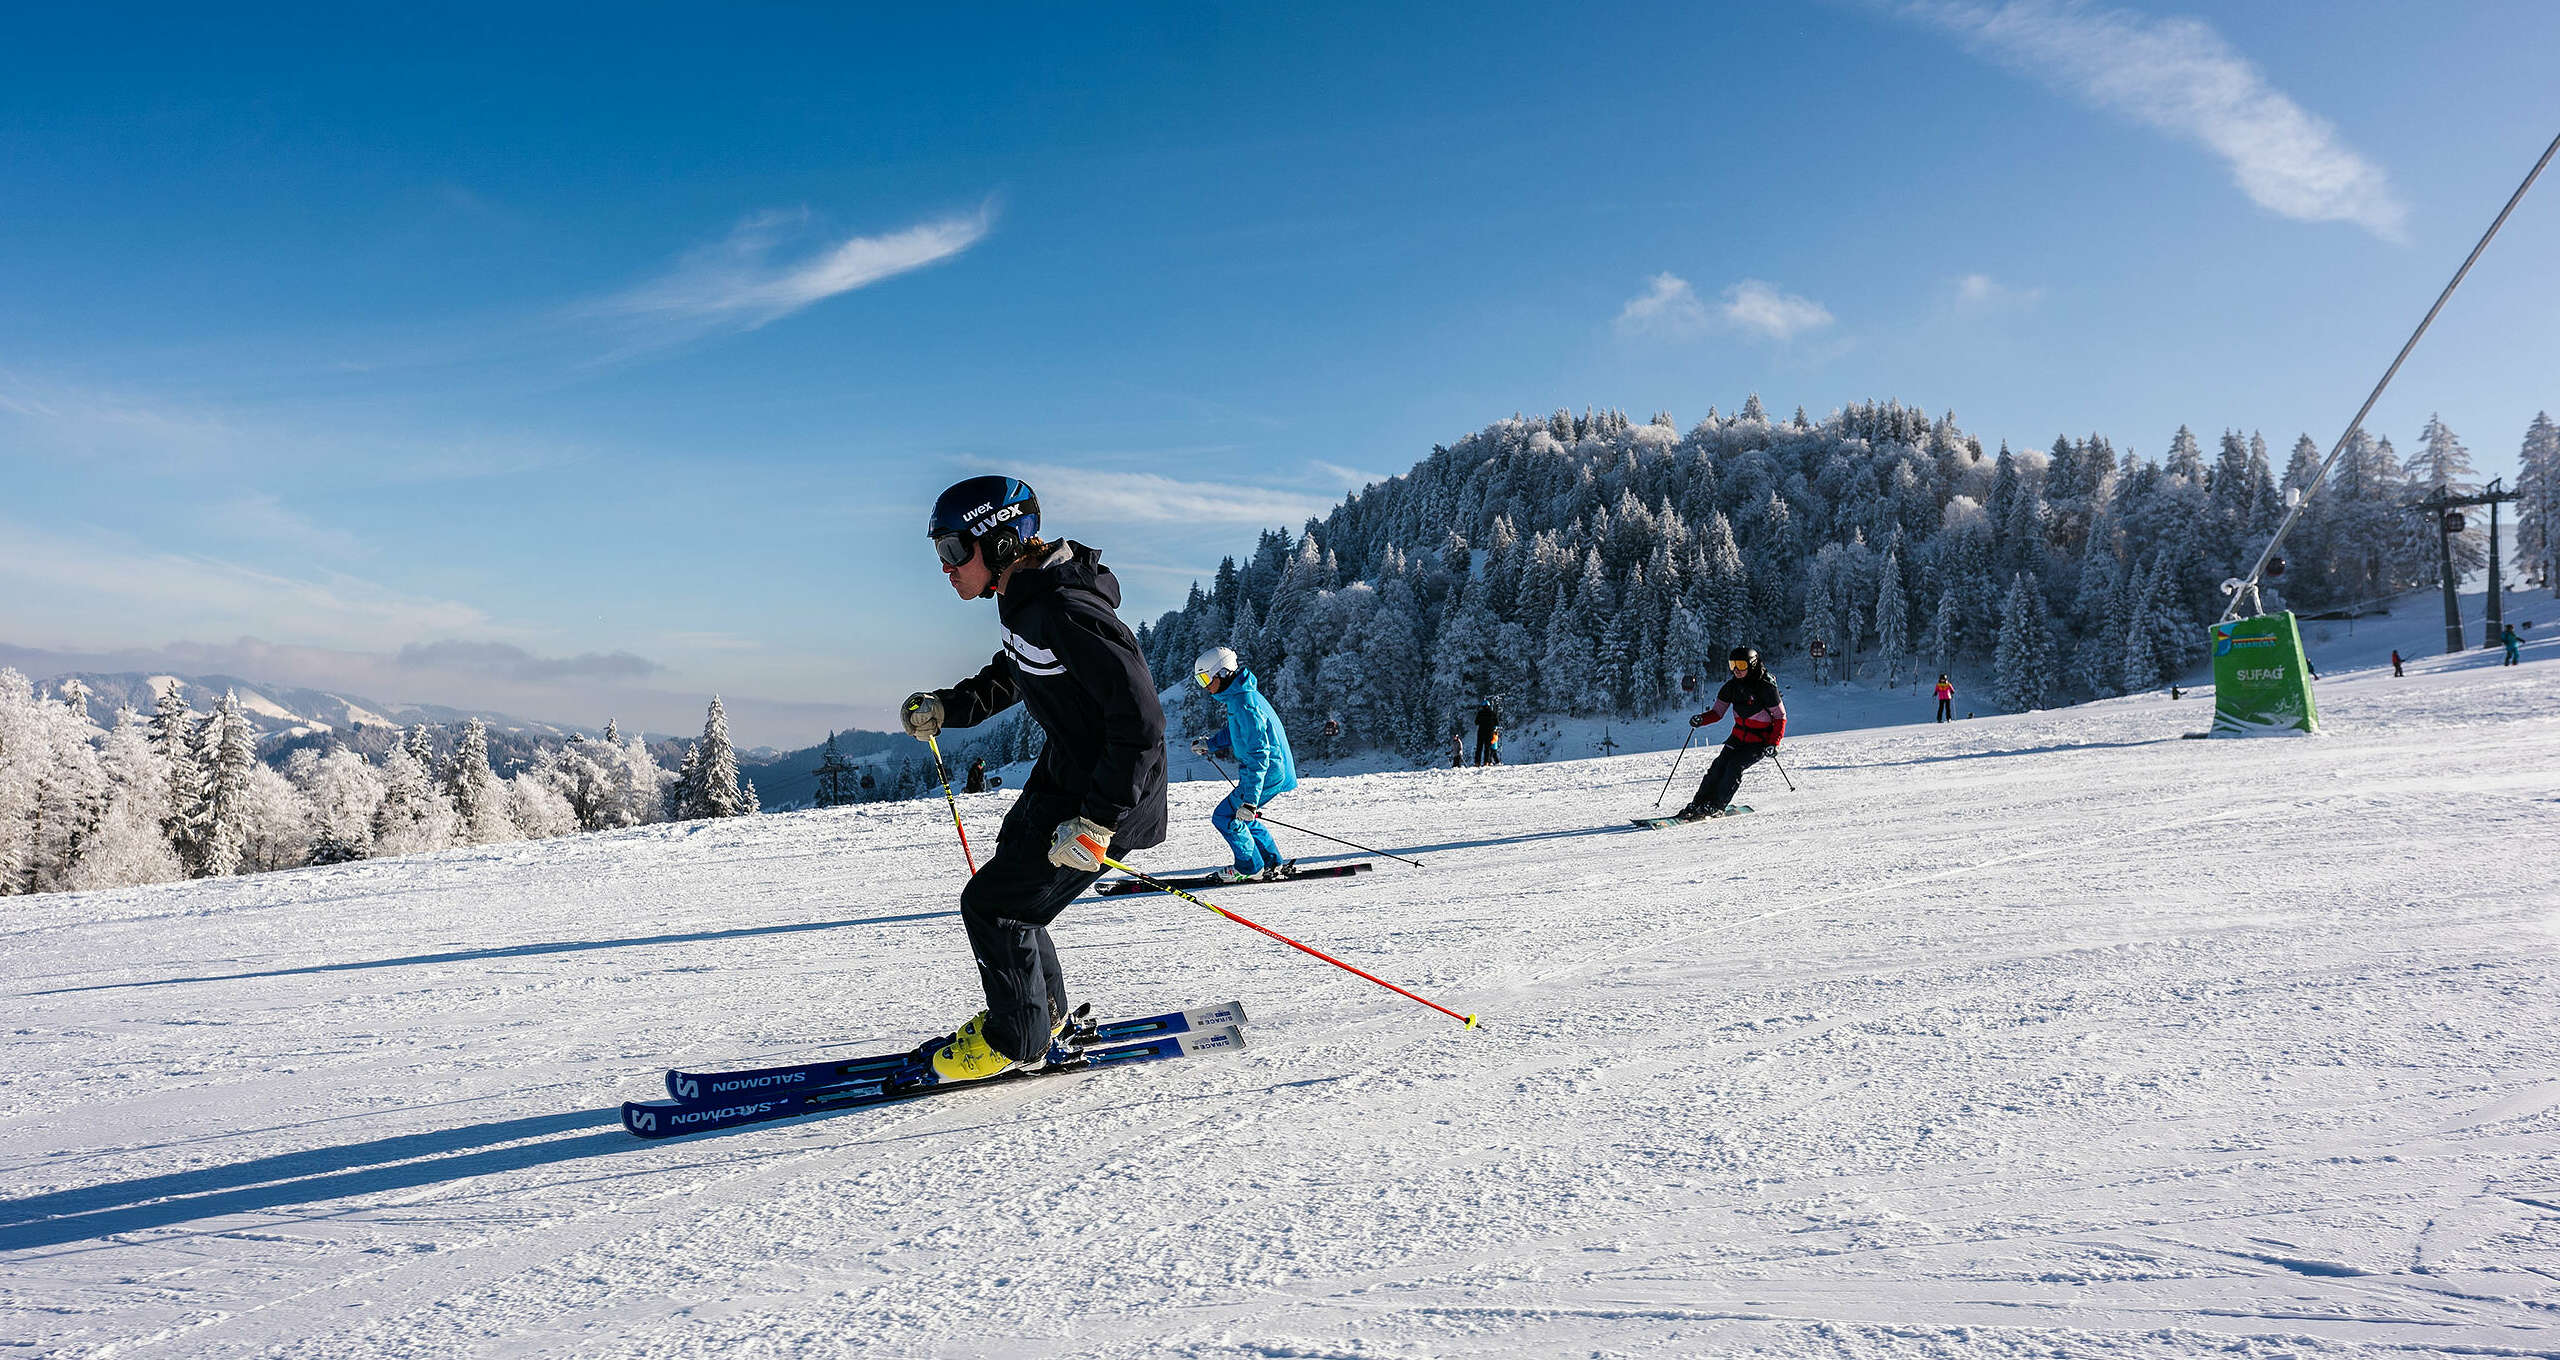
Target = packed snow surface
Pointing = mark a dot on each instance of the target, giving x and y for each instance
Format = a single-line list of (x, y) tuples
[(2040, 1035)]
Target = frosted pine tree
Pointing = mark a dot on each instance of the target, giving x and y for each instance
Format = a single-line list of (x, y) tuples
[(279, 824), (23, 754), (345, 792), (224, 823), (2538, 502), (716, 792), (1893, 617), (173, 729), (71, 792), (2143, 665), (479, 797), (1944, 628), (537, 809), (413, 817), (683, 796), (2024, 670), (130, 847)]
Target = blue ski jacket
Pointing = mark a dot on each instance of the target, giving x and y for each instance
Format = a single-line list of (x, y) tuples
[(1264, 767)]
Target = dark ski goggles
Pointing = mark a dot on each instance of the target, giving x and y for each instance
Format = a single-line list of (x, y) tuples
[(953, 549)]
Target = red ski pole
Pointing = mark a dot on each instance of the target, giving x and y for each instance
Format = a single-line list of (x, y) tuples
[(952, 803), (1161, 886)]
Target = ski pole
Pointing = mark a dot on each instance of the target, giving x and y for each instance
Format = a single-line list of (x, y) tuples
[(1161, 886), (1675, 766), (1390, 854), (935, 745), (1782, 772)]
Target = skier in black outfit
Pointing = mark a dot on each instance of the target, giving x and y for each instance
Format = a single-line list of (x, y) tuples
[(1486, 720), (977, 776), (1759, 723), (1099, 785)]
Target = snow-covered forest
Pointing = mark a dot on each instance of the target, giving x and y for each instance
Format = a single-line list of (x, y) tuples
[(1593, 566), (179, 794)]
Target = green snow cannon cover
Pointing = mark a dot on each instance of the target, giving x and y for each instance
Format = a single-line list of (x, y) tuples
[(2260, 684)]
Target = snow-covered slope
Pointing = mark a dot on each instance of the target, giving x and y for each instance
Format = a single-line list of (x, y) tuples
[(2049, 1035)]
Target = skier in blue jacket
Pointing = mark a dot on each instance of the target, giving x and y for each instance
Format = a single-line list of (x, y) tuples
[(1264, 767)]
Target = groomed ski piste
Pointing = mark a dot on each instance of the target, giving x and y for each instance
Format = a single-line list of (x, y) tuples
[(2040, 1035)]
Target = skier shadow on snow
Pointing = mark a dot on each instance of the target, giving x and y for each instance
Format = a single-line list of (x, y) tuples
[(515, 951), (1414, 850), (318, 1174), (2054, 749)]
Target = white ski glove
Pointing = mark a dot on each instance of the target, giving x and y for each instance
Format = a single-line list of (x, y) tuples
[(1247, 812), (922, 714), (1199, 746), (1080, 843)]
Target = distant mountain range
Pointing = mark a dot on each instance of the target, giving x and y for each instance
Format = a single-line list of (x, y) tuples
[(287, 718), (277, 712)]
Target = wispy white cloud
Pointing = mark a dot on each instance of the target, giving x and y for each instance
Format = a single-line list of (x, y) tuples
[(1981, 293), (1074, 496), (147, 590), (262, 517), (150, 433), (1667, 309), (2178, 75), (1764, 309), (515, 663), (1350, 479), (746, 281)]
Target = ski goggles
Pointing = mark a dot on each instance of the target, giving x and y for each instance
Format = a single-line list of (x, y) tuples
[(953, 549), (1739, 667), (1205, 678)]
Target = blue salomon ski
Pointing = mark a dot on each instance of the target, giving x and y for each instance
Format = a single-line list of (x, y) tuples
[(699, 1088), (668, 1118)]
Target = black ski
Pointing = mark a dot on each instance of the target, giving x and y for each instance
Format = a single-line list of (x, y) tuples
[(755, 1083), (668, 1118), (1660, 823), (1120, 887)]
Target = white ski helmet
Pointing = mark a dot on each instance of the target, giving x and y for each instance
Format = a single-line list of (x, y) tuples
[(1215, 663)]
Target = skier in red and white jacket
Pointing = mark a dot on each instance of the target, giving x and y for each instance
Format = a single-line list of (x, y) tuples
[(1759, 724)]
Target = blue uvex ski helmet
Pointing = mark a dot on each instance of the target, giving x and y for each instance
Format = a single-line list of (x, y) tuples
[(999, 512)]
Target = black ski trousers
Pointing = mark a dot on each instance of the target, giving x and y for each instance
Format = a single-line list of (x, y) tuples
[(1715, 792), (1007, 908), (1946, 709)]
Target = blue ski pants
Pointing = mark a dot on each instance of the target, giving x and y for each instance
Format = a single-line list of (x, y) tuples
[(1255, 850)]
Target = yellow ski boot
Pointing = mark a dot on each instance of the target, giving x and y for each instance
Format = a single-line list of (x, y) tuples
[(969, 1057)]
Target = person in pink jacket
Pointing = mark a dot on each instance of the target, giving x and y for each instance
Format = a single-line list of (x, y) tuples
[(1946, 699)]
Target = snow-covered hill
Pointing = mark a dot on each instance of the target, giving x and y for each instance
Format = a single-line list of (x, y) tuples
[(277, 712), (2049, 1035)]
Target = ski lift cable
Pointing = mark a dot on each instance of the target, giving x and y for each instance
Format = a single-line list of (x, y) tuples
[(2247, 589)]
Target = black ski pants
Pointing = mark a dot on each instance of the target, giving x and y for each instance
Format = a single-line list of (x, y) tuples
[(1946, 709), (1715, 792), (1007, 908), (1484, 747)]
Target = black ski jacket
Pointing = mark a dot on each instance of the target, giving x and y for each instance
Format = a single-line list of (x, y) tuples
[(1075, 667)]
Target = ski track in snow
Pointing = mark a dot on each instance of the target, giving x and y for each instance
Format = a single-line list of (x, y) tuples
[(2038, 1035)]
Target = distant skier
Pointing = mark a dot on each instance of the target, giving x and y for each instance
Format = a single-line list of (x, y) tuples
[(977, 776), (1254, 739), (2514, 646), (1946, 699), (1759, 723), (1099, 784), (1458, 749), (2395, 663), (1486, 721)]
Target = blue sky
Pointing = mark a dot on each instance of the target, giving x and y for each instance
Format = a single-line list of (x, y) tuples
[(580, 367)]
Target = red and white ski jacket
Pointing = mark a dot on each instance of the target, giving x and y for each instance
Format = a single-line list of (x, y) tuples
[(1759, 715)]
